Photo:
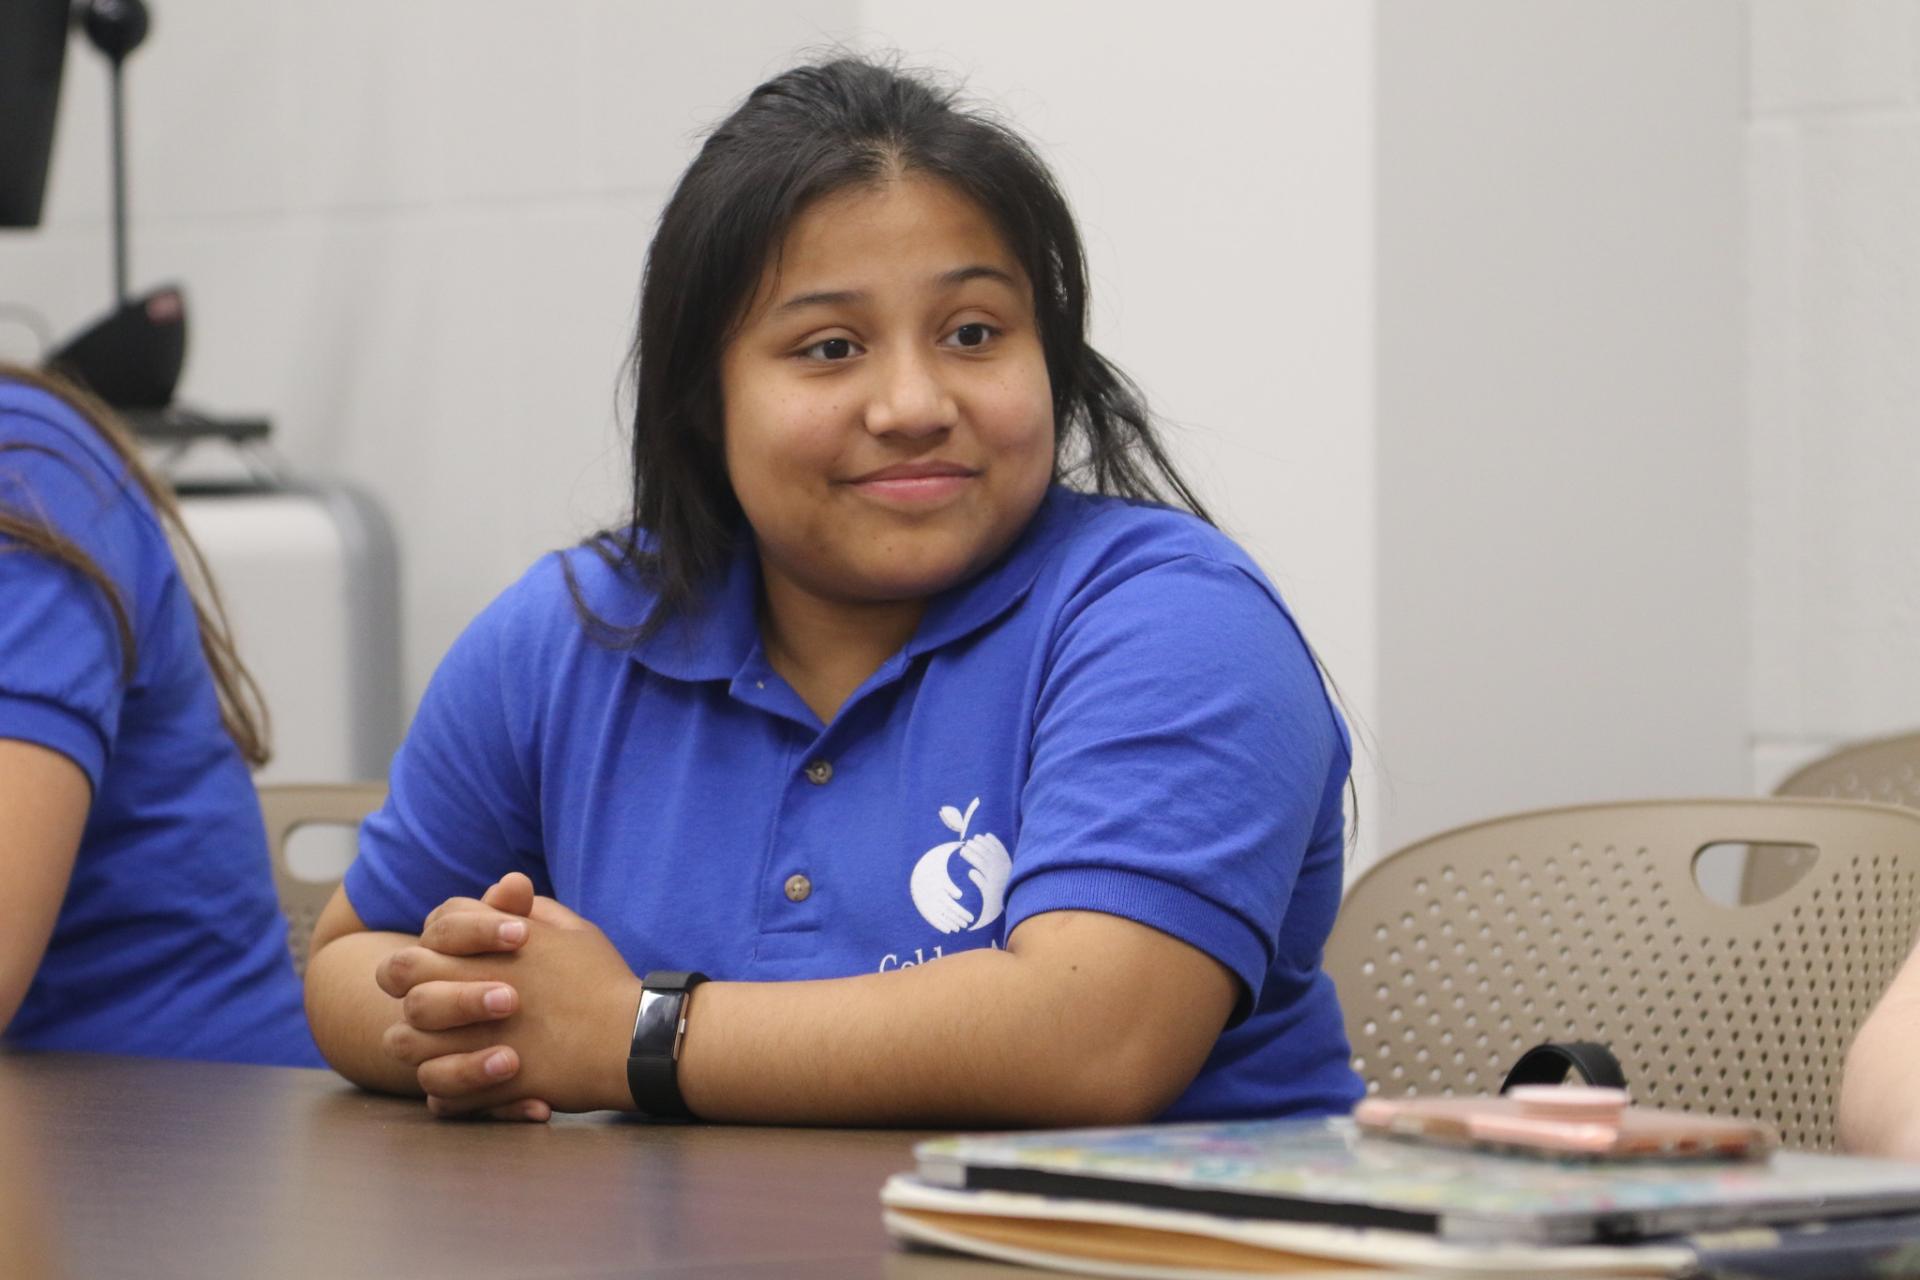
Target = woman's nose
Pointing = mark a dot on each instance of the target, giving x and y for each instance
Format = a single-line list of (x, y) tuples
[(909, 397)]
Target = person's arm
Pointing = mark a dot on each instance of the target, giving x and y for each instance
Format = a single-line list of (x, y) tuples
[(1879, 1098), (1084, 1018), (352, 1018), (44, 798)]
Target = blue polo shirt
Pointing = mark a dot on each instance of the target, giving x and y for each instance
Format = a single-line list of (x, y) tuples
[(1119, 716), (170, 941)]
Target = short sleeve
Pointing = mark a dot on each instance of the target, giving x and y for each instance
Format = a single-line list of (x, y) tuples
[(62, 659), (462, 806), (1183, 754)]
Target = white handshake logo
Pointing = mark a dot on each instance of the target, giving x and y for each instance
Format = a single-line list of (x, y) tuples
[(932, 886)]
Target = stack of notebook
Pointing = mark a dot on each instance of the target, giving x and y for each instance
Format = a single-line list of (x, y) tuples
[(1291, 1197)]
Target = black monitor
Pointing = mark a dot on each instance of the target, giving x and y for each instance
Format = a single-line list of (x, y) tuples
[(33, 48)]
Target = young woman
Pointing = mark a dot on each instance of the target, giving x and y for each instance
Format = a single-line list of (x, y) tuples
[(140, 915), (980, 799)]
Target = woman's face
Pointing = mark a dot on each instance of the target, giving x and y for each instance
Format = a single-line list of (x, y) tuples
[(889, 422)]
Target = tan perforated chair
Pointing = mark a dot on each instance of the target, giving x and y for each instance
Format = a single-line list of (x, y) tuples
[(1455, 955), (1884, 771), (288, 807)]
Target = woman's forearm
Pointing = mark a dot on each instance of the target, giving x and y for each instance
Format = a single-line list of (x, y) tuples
[(349, 1013), (930, 1046), (1091, 1028)]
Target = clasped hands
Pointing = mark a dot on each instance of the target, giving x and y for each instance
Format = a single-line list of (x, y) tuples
[(512, 1006)]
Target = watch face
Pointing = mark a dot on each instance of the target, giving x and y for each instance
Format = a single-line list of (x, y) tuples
[(657, 1024), (651, 1067)]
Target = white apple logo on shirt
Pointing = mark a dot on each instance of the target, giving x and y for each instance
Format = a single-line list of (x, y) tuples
[(933, 889)]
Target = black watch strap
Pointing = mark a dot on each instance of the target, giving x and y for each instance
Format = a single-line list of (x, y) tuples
[(1549, 1064), (653, 1059)]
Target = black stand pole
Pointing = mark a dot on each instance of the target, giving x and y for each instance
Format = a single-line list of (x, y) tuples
[(130, 357), (116, 28), (119, 187)]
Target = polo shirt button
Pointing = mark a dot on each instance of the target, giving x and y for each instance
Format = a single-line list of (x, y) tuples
[(799, 888), (819, 773)]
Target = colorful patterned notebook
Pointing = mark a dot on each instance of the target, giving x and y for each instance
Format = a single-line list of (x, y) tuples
[(1324, 1172)]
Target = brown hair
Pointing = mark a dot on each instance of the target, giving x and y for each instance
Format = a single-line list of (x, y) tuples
[(242, 710)]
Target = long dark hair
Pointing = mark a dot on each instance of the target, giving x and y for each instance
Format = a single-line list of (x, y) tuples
[(803, 135), (242, 709)]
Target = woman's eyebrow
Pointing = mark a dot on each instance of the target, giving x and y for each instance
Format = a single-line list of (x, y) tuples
[(980, 271), (823, 298), (843, 297)]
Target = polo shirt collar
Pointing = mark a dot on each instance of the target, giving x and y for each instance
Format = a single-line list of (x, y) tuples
[(716, 641), (722, 639)]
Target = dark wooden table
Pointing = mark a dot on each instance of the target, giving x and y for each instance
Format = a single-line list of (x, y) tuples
[(116, 1167)]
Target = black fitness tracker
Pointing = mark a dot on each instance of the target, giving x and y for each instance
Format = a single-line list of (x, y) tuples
[(653, 1060), (1549, 1064)]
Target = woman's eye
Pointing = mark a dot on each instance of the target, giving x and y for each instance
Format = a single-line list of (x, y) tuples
[(971, 335), (830, 349)]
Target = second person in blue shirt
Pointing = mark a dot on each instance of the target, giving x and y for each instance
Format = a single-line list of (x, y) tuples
[(984, 788), (140, 916)]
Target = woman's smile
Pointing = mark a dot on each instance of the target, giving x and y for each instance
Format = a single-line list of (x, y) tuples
[(915, 485)]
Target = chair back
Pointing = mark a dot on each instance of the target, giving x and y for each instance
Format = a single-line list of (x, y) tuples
[(1456, 954), (287, 807), (1885, 771)]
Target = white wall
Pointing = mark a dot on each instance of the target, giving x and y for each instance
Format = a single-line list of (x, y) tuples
[(1562, 531), (1833, 192)]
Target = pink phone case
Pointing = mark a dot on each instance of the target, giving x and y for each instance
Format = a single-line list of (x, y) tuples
[(1561, 1120)]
